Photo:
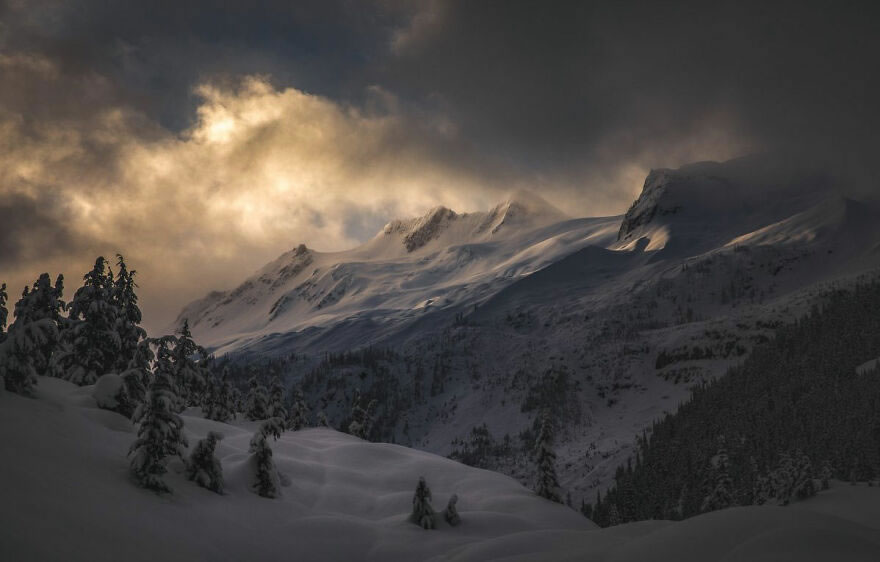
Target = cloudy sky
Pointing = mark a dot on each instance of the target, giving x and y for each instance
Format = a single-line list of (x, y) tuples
[(202, 139)]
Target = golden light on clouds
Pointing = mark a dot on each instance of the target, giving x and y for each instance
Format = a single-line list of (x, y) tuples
[(260, 170)]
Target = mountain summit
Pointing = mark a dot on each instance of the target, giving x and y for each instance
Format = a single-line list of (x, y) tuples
[(441, 262)]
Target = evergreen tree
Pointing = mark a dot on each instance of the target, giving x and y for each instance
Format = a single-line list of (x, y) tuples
[(613, 516), (257, 402), (548, 485), (782, 479), (32, 338), (220, 405), (276, 399), (91, 344), (128, 315), (826, 474), (272, 426), (803, 486), (203, 467), (299, 412), (190, 363), (4, 313), (137, 377), (721, 494), (422, 512), (360, 419), (451, 513), (266, 482), (159, 428), (322, 419)]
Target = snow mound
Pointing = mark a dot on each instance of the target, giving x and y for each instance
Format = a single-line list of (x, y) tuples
[(67, 495), (107, 391)]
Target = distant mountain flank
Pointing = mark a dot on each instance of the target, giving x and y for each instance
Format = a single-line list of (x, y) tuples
[(475, 322), (441, 260)]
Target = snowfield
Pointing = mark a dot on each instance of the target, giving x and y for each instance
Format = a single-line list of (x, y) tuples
[(66, 495)]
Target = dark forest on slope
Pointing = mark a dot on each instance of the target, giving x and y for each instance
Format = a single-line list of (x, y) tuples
[(796, 412)]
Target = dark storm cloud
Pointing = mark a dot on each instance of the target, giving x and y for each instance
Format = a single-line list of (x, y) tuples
[(34, 229), (223, 133), (554, 84), (155, 51)]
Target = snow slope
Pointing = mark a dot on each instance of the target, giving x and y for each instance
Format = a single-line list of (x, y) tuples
[(442, 262), (66, 496)]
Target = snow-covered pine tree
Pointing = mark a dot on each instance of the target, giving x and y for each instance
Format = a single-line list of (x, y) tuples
[(721, 493), (422, 512), (613, 516), (159, 428), (137, 377), (257, 402), (272, 426), (203, 467), (782, 479), (359, 424), (31, 336), (128, 315), (4, 313), (299, 411), (90, 342), (370, 417), (451, 512), (266, 482), (190, 364), (548, 485), (322, 419), (276, 399), (826, 474), (803, 486), (221, 402)]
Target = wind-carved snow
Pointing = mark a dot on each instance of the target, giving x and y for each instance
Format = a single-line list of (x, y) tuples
[(66, 494)]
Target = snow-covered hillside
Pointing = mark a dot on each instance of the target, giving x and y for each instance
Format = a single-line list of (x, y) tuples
[(608, 322), (66, 495)]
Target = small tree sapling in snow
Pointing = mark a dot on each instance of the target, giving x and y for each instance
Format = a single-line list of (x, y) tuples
[(322, 419), (548, 485), (266, 482), (203, 467), (422, 512), (159, 428), (451, 513)]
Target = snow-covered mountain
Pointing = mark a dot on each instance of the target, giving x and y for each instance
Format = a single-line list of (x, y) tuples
[(609, 322), (430, 266)]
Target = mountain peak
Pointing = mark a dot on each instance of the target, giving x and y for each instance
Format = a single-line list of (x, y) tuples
[(419, 231)]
